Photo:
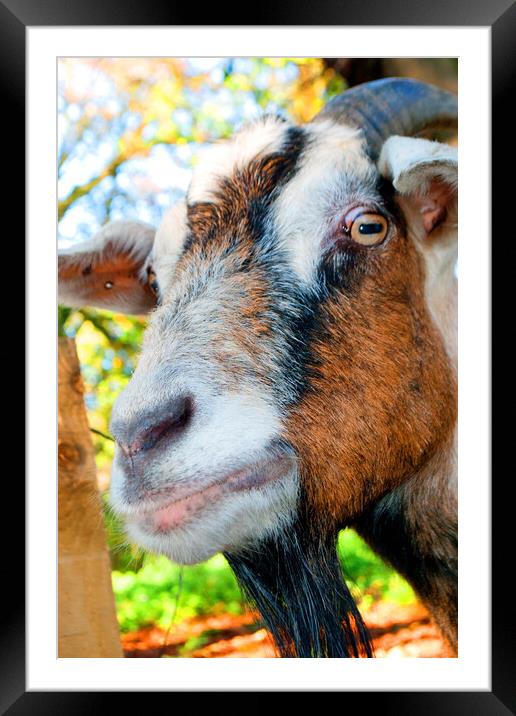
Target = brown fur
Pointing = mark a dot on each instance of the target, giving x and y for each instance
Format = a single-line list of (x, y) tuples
[(386, 397)]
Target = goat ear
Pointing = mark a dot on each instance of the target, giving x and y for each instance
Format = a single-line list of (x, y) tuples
[(424, 174), (110, 271)]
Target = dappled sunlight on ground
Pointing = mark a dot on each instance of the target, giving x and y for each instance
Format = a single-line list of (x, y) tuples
[(397, 632)]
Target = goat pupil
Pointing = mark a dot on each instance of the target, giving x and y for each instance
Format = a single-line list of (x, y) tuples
[(370, 228)]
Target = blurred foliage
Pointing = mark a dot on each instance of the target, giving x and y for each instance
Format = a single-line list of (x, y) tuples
[(129, 132), (368, 577), (131, 129), (161, 592)]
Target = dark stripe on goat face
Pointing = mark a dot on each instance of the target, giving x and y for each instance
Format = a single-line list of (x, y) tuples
[(255, 184), (232, 241), (238, 228), (238, 218), (318, 315)]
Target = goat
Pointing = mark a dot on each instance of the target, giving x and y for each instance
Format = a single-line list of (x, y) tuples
[(298, 372)]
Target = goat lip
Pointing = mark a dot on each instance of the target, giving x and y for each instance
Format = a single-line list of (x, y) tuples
[(161, 519)]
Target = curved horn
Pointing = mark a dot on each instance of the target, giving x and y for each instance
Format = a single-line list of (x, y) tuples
[(395, 105)]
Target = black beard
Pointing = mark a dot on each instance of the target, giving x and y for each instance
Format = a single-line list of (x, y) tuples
[(296, 583)]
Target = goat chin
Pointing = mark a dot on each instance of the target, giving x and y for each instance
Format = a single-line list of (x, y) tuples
[(239, 521)]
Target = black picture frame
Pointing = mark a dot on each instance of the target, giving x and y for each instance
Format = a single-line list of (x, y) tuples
[(500, 15)]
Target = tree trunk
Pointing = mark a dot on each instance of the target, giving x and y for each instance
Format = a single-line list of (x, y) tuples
[(86, 608)]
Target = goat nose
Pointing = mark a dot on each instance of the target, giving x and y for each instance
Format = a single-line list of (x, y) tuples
[(145, 432)]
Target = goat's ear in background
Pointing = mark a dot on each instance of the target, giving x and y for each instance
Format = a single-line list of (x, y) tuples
[(109, 271), (424, 174)]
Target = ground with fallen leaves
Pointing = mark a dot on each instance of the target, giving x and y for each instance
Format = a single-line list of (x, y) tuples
[(397, 631)]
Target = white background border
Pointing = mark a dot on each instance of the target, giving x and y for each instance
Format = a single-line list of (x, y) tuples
[(471, 670)]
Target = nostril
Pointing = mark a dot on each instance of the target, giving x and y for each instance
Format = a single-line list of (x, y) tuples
[(147, 432)]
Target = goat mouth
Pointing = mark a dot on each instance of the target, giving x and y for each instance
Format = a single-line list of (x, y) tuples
[(176, 513)]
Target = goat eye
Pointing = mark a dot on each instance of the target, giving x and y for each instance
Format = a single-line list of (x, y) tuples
[(153, 282), (368, 229)]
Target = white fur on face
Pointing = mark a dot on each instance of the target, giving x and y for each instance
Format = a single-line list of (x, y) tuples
[(232, 428), (310, 200), (228, 430), (223, 158)]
